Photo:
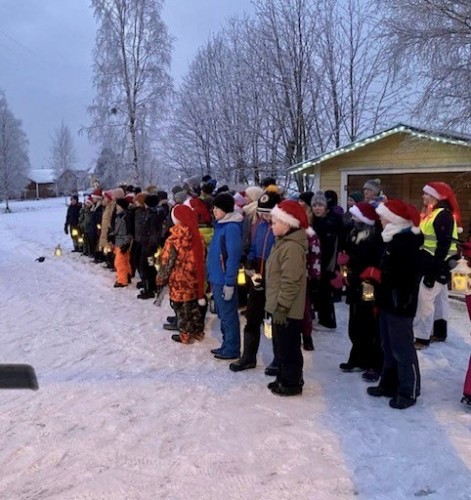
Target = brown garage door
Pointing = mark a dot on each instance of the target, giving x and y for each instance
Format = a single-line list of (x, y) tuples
[(409, 188)]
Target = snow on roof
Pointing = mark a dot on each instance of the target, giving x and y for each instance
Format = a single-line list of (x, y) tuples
[(42, 176)]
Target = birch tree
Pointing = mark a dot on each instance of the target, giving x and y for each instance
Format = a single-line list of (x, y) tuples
[(132, 82), (63, 156), (14, 159), (429, 44)]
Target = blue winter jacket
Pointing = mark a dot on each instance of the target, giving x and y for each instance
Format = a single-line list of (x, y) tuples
[(262, 242), (225, 250)]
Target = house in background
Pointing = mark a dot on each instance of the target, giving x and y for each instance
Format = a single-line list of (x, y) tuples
[(405, 158), (41, 184)]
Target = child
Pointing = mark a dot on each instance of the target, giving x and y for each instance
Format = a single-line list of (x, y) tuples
[(182, 267), (121, 235), (398, 292), (286, 294), (224, 254)]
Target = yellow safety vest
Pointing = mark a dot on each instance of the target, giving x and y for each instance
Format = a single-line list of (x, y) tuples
[(430, 238)]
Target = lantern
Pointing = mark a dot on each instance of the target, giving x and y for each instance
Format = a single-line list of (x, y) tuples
[(461, 278), (98, 226), (80, 240), (267, 330), (74, 232), (367, 291), (106, 250), (155, 259), (344, 270), (241, 277), (58, 251)]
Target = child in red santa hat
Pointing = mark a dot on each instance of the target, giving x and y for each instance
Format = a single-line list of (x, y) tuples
[(182, 268)]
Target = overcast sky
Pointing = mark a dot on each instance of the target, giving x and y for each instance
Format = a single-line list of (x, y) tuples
[(45, 61)]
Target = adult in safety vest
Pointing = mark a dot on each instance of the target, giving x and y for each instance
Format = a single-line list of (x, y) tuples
[(439, 225)]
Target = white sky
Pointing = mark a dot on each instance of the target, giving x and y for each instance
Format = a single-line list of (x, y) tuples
[(45, 61), (124, 413)]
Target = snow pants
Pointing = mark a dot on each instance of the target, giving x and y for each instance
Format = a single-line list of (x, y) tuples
[(288, 352), (432, 306), (230, 327), (122, 265)]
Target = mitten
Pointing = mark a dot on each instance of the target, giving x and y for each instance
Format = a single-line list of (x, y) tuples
[(371, 273), (66, 229), (227, 292), (429, 280), (202, 302), (124, 248), (280, 315)]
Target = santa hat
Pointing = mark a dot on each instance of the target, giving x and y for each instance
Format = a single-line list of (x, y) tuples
[(291, 213), (400, 212), (97, 194), (442, 191), (129, 197), (108, 195), (89, 201), (183, 214), (365, 212), (118, 193)]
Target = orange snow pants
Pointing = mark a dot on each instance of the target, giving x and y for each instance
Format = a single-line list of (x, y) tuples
[(122, 265)]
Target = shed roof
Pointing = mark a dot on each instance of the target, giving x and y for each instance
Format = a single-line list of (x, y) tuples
[(439, 136), (42, 176)]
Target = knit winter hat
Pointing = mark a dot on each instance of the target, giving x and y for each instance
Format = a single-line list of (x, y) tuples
[(183, 214), (357, 196), (162, 195), (140, 198), (400, 212), (267, 181), (225, 202), (291, 213), (442, 191), (267, 201), (123, 203), (306, 196), (180, 196), (152, 200), (253, 193), (319, 199), (365, 212), (240, 200), (374, 185)]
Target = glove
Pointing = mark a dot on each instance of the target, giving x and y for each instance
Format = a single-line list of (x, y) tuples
[(337, 282), (111, 238), (227, 292), (66, 229), (159, 295), (202, 302), (280, 315), (429, 280), (371, 273), (343, 259), (257, 281), (124, 248)]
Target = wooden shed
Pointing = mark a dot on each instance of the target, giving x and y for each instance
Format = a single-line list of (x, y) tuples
[(405, 158), (41, 184)]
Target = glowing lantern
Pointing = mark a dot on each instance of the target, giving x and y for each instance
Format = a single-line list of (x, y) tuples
[(267, 330), (344, 270), (461, 278), (241, 277), (367, 291), (58, 251), (80, 240), (74, 232)]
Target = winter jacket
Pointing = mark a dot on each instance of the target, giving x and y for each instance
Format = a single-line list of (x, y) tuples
[(106, 223), (286, 274), (121, 231), (178, 265), (261, 246), (96, 214), (329, 230), (139, 219), (400, 275), (365, 247), (151, 229), (225, 250), (72, 216)]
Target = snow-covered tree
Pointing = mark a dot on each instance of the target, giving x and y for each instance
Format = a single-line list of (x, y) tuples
[(429, 44), (131, 77), (14, 159), (63, 156)]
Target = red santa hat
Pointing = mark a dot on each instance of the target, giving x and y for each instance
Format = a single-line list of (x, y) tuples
[(108, 195), (442, 191), (97, 194), (183, 214), (291, 213), (365, 212), (89, 200), (400, 212)]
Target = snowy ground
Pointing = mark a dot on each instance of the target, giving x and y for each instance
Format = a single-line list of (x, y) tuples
[(125, 413)]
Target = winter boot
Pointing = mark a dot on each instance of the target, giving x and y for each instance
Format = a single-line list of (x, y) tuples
[(284, 390), (308, 345), (439, 331), (402, 402), (183, 338), (249, 356), (146, 294), (379, 391)]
